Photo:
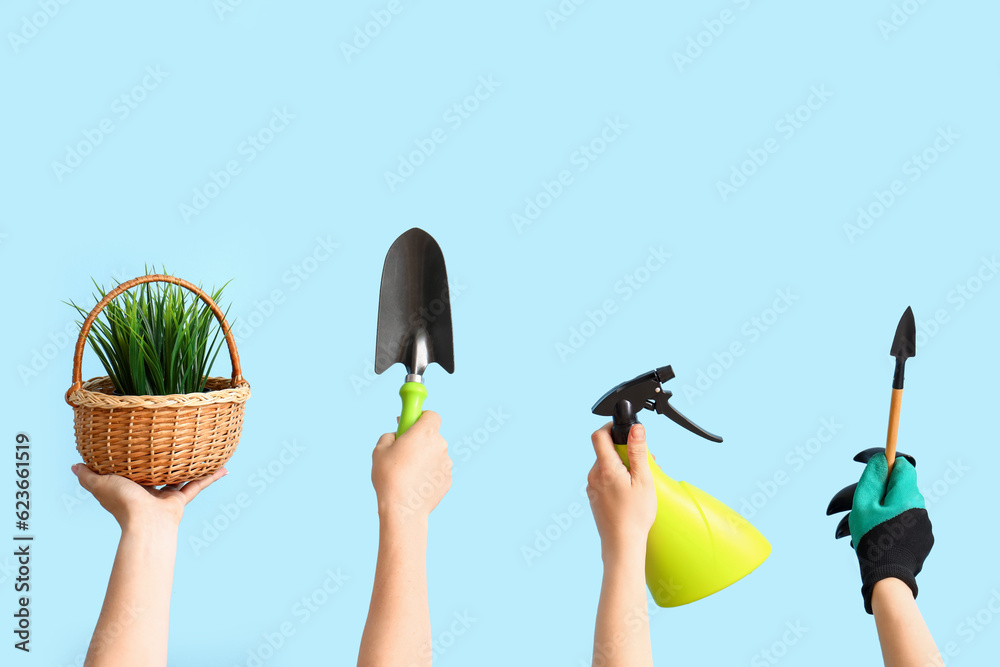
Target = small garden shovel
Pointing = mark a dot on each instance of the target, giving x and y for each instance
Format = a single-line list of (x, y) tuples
[(414, 317), (904, 346)]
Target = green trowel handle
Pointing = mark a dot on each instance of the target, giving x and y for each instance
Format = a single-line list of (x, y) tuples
[(413, 395)]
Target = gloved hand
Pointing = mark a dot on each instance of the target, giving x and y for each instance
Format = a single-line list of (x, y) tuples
[(888, 524)]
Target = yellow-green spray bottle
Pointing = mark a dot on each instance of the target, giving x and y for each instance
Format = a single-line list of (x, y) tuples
[(697, 545)]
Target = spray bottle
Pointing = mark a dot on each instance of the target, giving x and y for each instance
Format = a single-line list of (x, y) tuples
[(697, 545)]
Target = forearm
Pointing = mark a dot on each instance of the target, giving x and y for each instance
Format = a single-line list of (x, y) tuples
[(905, 639), (621, 635), (134, 622), (398, 630)]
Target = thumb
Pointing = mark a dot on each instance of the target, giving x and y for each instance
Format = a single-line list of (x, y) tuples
[(196, 486), (385, 440), (872, 485), (88, 478), (902, 490), (637, 462)]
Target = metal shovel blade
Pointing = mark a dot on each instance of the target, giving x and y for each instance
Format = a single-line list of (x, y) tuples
[(414, 307), (904, 344)]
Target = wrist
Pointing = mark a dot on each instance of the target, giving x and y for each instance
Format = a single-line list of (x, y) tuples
[(890, 595), (403, 523), (891, 587), (150, 524), (624, 551)]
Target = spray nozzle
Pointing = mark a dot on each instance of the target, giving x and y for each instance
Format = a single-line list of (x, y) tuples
[(645, 391)]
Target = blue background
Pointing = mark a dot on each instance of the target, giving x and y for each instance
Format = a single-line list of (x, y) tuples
[(521, 291)]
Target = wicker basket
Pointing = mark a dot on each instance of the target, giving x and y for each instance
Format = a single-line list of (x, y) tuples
[(156, 440)]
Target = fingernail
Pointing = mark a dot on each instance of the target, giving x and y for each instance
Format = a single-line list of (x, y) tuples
[(224, 472), (639, 432), (74, 467)]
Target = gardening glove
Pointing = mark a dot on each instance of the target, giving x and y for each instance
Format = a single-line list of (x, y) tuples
[(888, 524)]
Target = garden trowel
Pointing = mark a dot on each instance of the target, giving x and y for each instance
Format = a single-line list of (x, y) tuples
[(414, 317), (697, 545), (904, 346)]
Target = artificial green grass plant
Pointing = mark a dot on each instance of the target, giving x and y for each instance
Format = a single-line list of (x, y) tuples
[(154, 339)]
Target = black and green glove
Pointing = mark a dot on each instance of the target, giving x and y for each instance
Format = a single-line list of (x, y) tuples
[(888, 524)]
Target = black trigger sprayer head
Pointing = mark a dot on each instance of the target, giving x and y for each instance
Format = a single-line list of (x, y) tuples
[(622, 420), (624, 402)]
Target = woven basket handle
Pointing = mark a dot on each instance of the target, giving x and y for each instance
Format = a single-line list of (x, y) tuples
[(85, 329)]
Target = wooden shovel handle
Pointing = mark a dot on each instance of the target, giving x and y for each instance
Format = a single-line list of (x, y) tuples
[(890, 440)]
